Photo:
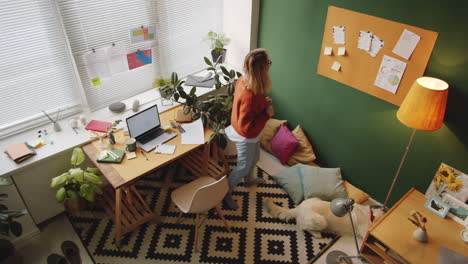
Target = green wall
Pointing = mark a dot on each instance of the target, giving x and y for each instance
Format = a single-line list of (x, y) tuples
[(351, 129)]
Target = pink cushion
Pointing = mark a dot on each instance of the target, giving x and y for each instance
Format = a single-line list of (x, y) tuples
[(283, 144)]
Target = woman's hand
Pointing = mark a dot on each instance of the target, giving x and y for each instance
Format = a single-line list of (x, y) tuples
[(270, 111), (268, 100)]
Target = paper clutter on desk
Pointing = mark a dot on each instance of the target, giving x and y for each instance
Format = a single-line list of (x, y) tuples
[(37, 143), (327, 51)]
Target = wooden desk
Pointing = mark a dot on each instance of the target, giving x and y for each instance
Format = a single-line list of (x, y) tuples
[(122, 201), (395, 232)]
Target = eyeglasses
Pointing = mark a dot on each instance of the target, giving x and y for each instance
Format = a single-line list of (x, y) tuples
[(270, 62)]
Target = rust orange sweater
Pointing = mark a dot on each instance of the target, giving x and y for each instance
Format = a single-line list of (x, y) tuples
[(248, 111)]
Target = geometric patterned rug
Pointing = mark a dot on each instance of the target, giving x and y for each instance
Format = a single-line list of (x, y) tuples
[(256, 236)]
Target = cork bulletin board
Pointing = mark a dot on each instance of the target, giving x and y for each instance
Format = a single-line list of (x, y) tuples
[(358, 68)]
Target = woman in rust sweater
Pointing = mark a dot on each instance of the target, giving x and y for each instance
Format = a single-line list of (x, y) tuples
[(250, 111)]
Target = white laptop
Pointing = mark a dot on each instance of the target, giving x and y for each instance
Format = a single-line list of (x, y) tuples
[(145, 127)]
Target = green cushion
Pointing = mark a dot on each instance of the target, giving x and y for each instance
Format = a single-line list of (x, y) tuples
[(290, 180), (303, 181), (324, 183)]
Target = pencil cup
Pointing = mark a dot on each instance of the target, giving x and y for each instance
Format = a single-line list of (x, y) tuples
[(57, 127), (130, 144)]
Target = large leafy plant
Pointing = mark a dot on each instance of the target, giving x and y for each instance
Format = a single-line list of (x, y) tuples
[(214, 110), (76, 182)]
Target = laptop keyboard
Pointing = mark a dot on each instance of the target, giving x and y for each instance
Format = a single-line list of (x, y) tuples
[(150, 136), (155, 142)]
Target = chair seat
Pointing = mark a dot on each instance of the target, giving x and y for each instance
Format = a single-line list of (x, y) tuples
[(183, 196)]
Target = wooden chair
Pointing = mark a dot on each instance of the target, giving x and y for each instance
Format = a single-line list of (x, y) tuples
[(200, 196)]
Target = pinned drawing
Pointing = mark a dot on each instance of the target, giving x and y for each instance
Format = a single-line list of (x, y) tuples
[(390, 73), (406, 44), (142, 34), (139, 58)]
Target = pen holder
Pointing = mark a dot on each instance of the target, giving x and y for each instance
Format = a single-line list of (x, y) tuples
[(56, 127)]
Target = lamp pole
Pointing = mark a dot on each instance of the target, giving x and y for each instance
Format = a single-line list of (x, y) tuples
[(398, 171)]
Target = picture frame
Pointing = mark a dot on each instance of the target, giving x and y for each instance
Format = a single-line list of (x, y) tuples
[(458, 210), (437, 206)]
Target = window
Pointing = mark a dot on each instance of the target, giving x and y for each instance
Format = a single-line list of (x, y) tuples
[(36, 72), (178, 46)]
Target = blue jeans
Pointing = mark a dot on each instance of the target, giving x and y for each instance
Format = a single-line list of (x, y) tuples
[(247, 157)]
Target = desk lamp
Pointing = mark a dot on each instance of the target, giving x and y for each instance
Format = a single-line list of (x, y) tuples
[(422, 109), (340, 207)]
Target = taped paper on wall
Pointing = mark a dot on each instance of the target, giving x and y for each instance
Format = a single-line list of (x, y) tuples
[(376, 45), (390, 73), (341, 51), (117, 56), (97, 64), (364, 41), (327, 51)]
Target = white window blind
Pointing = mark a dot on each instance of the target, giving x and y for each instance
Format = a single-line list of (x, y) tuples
[(178, 45), (36, 72)]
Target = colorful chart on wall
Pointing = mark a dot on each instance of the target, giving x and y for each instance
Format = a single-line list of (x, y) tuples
[(142, 34), (139, 58), (377, 56)]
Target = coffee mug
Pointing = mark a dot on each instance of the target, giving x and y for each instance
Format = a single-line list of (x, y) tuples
[(131, 144)]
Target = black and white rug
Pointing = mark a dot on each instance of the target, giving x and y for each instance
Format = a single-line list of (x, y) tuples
[(256, 236)]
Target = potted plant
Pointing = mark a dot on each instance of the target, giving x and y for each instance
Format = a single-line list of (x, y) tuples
[(217, 42), (214, 110), (77, 185), (165, 88), (8, 225)]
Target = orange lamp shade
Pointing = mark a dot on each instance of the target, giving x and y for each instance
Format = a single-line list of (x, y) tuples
[(424, 106)]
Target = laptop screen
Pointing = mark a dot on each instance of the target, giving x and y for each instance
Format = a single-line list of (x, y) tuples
[(142, 122)]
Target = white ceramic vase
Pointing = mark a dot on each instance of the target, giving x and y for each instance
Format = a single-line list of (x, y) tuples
[(420, 235)]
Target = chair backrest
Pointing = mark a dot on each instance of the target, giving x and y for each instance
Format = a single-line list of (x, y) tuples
[(209, 196)]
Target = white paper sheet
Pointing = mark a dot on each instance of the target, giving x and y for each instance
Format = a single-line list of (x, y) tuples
[(97, 64), (165, 149), (390, 72), (327, 51), (194, 133), (117, 57), (336, 66), (406, 44), (341, 51), (376, 45), (365, 39), (339, 34)]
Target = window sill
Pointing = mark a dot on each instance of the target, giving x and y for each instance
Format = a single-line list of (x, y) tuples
[(68, 139)]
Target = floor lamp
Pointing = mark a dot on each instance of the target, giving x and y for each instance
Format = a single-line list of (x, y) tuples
[(422, 109)]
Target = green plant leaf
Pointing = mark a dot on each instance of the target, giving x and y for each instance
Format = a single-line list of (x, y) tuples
[(196, 116), (213, 126), (96, 189), (77, 174), (176, 97), (93, 178), (59, 179), (232, 74), (204, 119), (239, 74), (61, 195), (183, 94), (211, 69), (186, 110), (231, 89), (213, 136), (207, 61), (73, 195), (193, 90), (225, 71), (77, 157), (95, 171), (4, 229)]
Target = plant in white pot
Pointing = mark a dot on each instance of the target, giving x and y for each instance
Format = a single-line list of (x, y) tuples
[(217, 42), (77, 185)]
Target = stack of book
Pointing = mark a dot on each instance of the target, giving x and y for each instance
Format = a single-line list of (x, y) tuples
[(19, 152)]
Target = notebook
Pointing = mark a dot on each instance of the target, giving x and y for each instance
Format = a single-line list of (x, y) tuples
[(19, 152), (115, 156), (99, 126)]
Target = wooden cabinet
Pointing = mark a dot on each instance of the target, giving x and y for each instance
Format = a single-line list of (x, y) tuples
[(390, 240)]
